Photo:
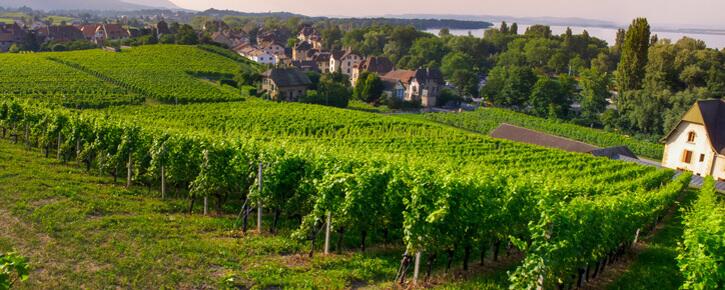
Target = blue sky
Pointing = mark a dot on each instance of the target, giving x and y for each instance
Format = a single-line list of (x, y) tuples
[(694, 12)]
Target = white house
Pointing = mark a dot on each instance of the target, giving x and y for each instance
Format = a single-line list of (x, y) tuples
[(344, 61), (421, 85), (254, 54), (697, 143)]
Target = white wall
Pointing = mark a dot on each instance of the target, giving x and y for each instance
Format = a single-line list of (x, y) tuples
[(719, 170), (677, 144)]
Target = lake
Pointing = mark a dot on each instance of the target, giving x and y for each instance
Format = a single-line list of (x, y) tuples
[(607, 34)]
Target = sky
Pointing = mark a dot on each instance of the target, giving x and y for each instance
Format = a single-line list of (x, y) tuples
[(687, 12)]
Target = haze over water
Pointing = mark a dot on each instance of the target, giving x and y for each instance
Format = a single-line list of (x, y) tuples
[(607, 34)]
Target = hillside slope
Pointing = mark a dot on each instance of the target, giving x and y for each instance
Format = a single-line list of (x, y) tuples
[(89, 4)]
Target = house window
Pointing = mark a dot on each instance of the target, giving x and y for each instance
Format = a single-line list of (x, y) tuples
[(691, 137), (702, 157), (687, 156)]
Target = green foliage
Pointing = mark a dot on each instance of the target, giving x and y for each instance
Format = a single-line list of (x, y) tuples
[(186, 35), (13, 269), (456, 68), (551, 97), (701, 253), (510, 86), (631, 69), (594, 93), (369, 88)]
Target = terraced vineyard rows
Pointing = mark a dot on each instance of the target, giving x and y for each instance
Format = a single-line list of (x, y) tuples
[(165, 72), (35, 76)]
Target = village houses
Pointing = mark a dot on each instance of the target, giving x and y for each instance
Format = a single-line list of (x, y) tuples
[(697, 143), (342, 61), (60, 33), (10, 34), (100, 33), (379, 65)]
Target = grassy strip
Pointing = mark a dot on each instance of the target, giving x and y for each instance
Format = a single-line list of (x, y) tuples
[(83, 230), (656, 266)]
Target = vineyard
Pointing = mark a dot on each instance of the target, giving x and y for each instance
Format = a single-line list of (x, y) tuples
[(340, 180), (701, 254), (98, 78), (488, 119)]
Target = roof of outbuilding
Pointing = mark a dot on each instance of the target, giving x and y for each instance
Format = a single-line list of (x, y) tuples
[(287, 77), (518, 134), (614, 152), (377, 64)]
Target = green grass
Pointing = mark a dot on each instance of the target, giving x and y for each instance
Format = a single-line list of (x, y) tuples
[(656, 266), (84, 231), (362, 106)]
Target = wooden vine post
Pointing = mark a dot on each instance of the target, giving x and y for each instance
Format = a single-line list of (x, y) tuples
[(259, 201), (206, 205), (327, 233), (416, 268), (60, 140), (636, 237), (163, 183), (128, 170)]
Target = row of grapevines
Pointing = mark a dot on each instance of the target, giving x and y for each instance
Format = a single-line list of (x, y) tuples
[(572, 236), (702, 254)]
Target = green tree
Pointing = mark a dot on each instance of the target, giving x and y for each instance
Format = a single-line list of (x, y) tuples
[(457, 69), (187, 35), (369, 88), (551, 97), (594, 93), (510, 86), (425, 52), (631, 69), (538, 31)]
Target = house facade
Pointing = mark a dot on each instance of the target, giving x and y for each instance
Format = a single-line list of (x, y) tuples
[(285, 84), (309, 34), (229, 38), (379, 65), (60, 33), (697, 143), (273, 48), (323, 61), (421, 85), (100, 33), (344, 61)]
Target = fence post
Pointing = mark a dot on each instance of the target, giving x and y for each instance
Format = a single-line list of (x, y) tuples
[(128, 171), (163, 183), (416, 268), (327, 233), (636, 237), (259, 202)]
